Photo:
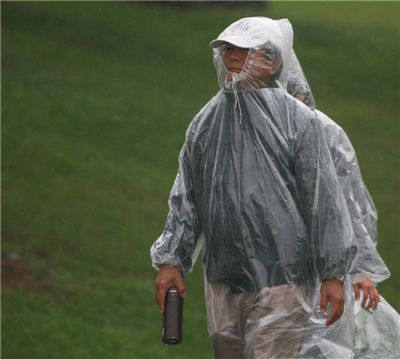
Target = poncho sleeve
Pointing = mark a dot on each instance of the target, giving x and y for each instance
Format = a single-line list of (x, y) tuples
[(362, 211), (322, 203), (177, 244)]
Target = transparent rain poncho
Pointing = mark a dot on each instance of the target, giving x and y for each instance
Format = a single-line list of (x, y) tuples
[(359, 202), (257, 188), (374, 334)]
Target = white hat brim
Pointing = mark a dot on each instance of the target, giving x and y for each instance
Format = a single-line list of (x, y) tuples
[(234, 40)]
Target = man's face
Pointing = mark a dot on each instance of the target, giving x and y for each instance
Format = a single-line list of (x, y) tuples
[(234, 59), (261, 70)]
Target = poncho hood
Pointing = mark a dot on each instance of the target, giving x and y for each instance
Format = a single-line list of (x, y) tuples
[(255, 33)]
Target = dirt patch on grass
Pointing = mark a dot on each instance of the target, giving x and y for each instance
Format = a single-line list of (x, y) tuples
[(15, 274)]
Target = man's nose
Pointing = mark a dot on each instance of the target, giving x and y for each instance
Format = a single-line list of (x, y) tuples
[(236, 54)]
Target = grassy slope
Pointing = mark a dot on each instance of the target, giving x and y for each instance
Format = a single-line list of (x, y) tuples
[(96, 100)]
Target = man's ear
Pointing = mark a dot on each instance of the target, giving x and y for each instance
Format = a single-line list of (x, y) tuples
[(273, 67)]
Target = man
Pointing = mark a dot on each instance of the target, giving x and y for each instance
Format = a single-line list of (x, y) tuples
[(257, 182)]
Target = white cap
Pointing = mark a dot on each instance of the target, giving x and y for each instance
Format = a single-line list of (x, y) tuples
[(256, 33), (252, 32)]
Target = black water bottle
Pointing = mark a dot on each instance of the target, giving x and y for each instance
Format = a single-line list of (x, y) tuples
[(173, 315)]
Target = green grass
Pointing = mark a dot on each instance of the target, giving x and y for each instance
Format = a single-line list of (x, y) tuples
[(96, 98)]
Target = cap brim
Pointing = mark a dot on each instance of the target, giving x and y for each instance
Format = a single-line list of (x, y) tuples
[(236, 41)]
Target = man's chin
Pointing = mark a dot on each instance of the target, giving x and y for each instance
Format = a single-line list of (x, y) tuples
[(229, 76)]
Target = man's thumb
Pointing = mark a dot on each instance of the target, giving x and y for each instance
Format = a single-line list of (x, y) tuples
[(181, 288), (323, 304), (356, 291)]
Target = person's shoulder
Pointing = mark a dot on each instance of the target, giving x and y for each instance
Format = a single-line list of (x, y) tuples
[(326, 121), (334, 133), (301, 107), (202, 115), (292, 104), (207, 107), (273, 92)]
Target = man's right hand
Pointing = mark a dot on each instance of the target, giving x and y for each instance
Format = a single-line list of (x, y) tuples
[(167, 277)]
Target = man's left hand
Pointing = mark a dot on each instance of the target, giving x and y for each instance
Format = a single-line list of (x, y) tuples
[(369, 292), (332, 292)]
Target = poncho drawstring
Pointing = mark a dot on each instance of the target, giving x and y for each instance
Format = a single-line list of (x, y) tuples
[(232, 84)]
